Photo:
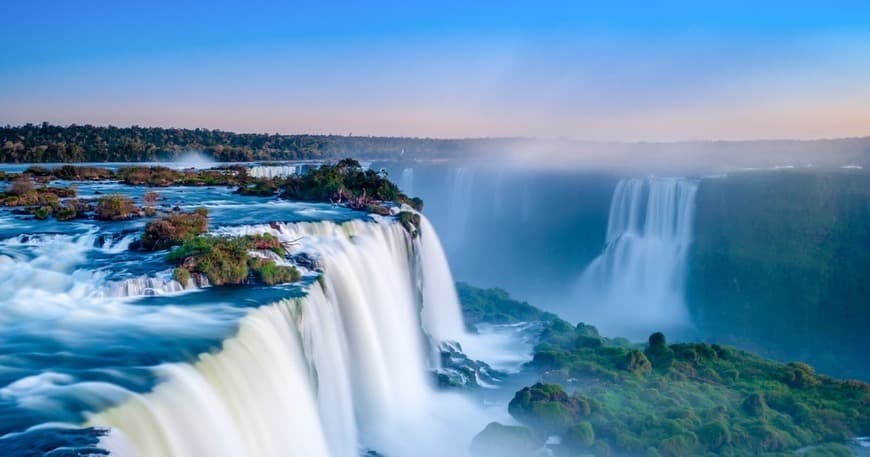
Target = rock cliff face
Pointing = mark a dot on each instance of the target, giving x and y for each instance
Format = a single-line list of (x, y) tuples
[(780, 265)]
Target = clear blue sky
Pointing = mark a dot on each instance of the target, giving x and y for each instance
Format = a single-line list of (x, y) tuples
[(634, 71)]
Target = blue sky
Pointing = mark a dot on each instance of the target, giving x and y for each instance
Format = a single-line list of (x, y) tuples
[(615, 71)]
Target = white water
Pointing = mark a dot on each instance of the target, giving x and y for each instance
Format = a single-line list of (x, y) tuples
[(637, 284), (408, 181), (272, 171), (341, 370), (460, 186)]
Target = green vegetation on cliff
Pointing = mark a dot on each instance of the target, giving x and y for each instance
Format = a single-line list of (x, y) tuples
[(780, 264), (495, 306), (611, 397)]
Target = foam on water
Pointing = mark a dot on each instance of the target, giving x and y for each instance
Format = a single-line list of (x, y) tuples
[(637, 284), (340, 370)]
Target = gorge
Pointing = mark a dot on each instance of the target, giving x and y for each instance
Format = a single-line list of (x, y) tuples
[(105, 351)]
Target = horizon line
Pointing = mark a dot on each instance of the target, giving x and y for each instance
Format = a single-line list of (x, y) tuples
[(471, 138)]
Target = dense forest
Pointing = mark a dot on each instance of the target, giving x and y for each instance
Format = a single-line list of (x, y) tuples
[(779, 265), (86, 143)]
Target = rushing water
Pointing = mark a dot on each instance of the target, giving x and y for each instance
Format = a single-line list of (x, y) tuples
[(96, 338), (637, 284)]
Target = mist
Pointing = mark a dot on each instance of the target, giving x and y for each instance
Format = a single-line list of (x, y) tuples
[(689, 157)]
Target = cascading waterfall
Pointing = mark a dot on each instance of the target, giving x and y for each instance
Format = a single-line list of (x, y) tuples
[(336, 372), (460, 185), (408, 181), (273, 171), (637, 284)]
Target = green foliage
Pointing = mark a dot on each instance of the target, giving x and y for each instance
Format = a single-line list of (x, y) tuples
[(114, 208), (87, 143), (829, 450), (779, 265), (637, 363), (181, 275), (259, 187), (700, 400), (344, 182), (226, 260), (42, 212), (497, 440), (269, 273), (579, 436), (496, 307), (714, 435), (173, 229), (546, 407), (65, 213), (148, 176), (268, 242), (754, 405)]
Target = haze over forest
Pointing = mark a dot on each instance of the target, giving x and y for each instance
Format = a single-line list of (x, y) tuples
[(86, 143)]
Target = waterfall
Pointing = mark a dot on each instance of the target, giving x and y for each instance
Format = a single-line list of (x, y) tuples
[(272, 171), (408, 181), (637, 284), (442, 320), (341, 370), (460, 185)]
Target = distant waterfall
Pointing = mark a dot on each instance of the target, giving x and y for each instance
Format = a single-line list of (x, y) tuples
[(408, 181), (460, 186), (272, 171), (637, 284), (331, 374)]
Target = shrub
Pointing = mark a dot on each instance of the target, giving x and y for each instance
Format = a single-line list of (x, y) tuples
[(268, 272), (114, 207), (259, 187), (678, 446), (181, 275), (579, 436), (150, 198), (225, 263), (65, 213), (754, 405), (505, 440), (50, 200), (20, 186), (171, 230), (267, 241), (829, 450), (62, 192), (548, 408), (42, 212), (714, 435), (658, 352), (800, 375), (345, 182), (150, 176), (73, 173), (637, 363)]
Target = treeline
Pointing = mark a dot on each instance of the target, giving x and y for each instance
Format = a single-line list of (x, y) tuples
[(87, 143)]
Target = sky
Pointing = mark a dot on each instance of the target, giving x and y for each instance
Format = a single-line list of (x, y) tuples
[(623, 71)]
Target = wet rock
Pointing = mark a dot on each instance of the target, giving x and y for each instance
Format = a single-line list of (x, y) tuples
[(457, 370)]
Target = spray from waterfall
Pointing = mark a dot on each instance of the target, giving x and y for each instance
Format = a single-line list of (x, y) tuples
[(408, 181), (637, 284), (460, 185), (342, 370)]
